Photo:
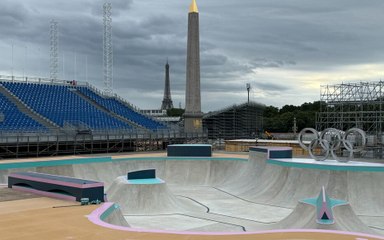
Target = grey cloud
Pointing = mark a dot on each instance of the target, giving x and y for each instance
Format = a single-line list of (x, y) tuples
[(237, 38), (272, 87), (270, 63), (12, 15), (158, 25), (119, 7), (209, 60)]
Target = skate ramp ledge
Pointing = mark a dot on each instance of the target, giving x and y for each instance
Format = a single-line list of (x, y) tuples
[(142, 174), (53, 163), (42, 182), (56, 195), (107, 208), (274, 152), (108, 211), (351, 166), (56, 163), (145, 181), (186, 150)]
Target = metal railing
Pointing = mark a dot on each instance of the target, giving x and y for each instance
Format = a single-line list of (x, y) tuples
[(40, 80), (20, 136)]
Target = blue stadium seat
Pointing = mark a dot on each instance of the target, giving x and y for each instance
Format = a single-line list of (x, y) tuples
[(121, 109), (15, 120), (59, 104)]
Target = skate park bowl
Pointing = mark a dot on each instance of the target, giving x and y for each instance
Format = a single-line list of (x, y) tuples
[(263, 195)]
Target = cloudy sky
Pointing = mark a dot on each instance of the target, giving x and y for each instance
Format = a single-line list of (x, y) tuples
[(286, 49)]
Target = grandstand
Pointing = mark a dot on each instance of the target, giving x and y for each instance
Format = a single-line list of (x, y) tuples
[(60, 104), (235, 122), (12, 119), (119, 108), (61, 117), (73, 105)]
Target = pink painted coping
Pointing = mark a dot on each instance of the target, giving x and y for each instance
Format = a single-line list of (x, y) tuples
[(46, 194), (62, 183), (95, 217)]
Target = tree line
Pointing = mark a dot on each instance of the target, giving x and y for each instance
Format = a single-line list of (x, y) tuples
[(281, 120)]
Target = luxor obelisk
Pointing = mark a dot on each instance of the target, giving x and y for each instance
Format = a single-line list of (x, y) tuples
[(193, 115)]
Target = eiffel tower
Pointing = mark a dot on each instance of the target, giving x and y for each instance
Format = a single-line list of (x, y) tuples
[(167, 100)]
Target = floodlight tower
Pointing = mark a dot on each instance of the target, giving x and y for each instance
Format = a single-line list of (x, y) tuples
[(107, 50), (248, 86), (54, 53)]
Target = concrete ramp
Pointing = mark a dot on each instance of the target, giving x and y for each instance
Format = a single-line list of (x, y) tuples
[(304, 217), (217, 192), (347, 220), (269, 184), (143, 198), (116, 218), (366, 193), (284, 185)]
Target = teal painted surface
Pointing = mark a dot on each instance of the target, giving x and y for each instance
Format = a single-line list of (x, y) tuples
[(54, 163), (327, 167), (280, 153), (337, 202), (310, 201), (180, 159), (108, 212), (145, 181), (258, 149), (51, 163), (326, 222), (318, 202), (192, 145), (331, 202)]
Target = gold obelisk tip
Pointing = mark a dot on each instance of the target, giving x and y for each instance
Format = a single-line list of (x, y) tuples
[(193, 7)]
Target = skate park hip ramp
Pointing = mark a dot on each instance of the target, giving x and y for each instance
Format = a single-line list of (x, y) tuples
[(226, 195)]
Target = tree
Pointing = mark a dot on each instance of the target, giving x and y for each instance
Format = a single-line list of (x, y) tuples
[(271, 111), (315, 106), (175, 112), (289, 108), (276, 120)]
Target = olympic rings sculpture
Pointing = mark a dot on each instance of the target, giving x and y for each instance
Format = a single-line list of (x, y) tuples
[(330, 140)]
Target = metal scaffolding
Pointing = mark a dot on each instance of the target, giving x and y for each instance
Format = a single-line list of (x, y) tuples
[(107, 50), (54, 51), (238, 121), (38, 144), (348, 105)]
